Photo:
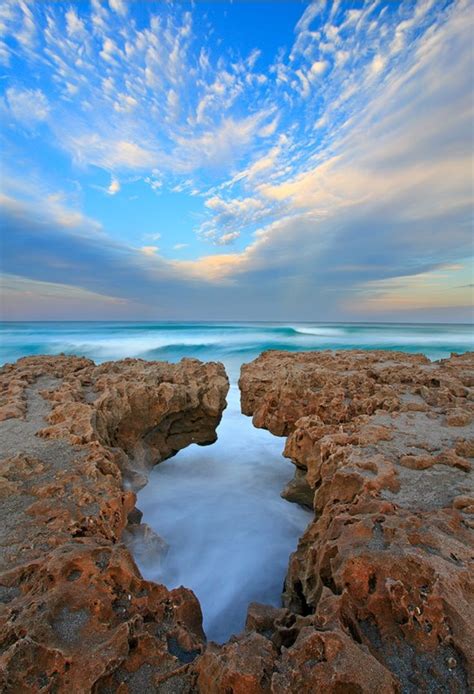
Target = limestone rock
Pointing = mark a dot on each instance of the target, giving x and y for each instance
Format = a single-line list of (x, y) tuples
[(378, 595), (384, 443), (75, 614), (244, 665)]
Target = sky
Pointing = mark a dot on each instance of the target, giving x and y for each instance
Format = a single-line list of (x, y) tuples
[(246, 160)]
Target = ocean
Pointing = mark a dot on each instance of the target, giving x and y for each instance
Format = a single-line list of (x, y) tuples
[(231, 343), (219, 507)]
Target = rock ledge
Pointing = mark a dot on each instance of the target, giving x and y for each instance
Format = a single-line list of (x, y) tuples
[(75, 613), (378, 595)]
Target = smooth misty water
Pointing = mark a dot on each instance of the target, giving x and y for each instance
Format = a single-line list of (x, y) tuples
[(218, 507), (230, 533)]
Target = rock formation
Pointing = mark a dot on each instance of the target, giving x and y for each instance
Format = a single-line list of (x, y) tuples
[(75, 613), (378, 595)]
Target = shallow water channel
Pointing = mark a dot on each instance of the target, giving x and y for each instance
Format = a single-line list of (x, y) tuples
[(229, 532)]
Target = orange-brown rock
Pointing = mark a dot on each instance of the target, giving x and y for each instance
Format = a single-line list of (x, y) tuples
[(383, 444), (75, 613), (378, 596), (244, 665)]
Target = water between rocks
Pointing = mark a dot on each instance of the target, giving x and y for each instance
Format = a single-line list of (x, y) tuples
[(229, 532)]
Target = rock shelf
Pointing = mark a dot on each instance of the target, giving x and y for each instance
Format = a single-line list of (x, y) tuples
[(378, 595), (76, 616)]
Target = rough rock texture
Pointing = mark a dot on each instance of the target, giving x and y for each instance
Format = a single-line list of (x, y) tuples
[(75, 614), (378, 596), (379, 593)]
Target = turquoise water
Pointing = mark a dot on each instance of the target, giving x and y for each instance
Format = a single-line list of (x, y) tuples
[(219, 507), (231, 343)]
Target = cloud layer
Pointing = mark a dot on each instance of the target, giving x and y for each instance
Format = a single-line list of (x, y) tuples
[(332, 178)]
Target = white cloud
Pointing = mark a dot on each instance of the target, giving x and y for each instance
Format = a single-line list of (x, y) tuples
[(74, 25), (322, 136), (28, 106), (114, 187), (263, 166), (377, 65), (173, 100), (229, 217), (220, 146), (342, 56), (125, 103), (108, 153), (109, 50), (412, 133), (138, 96), (154, 181), (318, 67), (52, 208), (149, 250), (119, 6), (270, 128), (26, 33), (304, 36), (233, 208), (228, 238)]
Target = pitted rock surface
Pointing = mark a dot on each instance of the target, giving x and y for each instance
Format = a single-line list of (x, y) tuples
[(75, 613), (378, 595), (383, 444)]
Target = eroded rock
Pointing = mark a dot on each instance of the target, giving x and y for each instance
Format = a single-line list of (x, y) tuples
[(378, 596), (383, 445), (75, 613)]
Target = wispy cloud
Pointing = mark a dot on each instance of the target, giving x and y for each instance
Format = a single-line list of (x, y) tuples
[(123, 93), (53, 300), (427, 290), (28, 106), (149, 250), (337, 168)]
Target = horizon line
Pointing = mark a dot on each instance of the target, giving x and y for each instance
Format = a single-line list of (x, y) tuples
[(266, 322)]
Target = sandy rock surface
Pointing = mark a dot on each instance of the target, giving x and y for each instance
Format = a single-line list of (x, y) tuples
[(382, 580), (75, 613)]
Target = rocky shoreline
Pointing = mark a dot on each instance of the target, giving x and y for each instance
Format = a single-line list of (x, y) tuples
[(76, 614), (378, 595)]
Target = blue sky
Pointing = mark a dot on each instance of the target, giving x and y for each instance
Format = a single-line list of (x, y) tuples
[(248, 160)]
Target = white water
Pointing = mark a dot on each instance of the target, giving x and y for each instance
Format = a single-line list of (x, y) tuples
[(232, 343), (230, 533)]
